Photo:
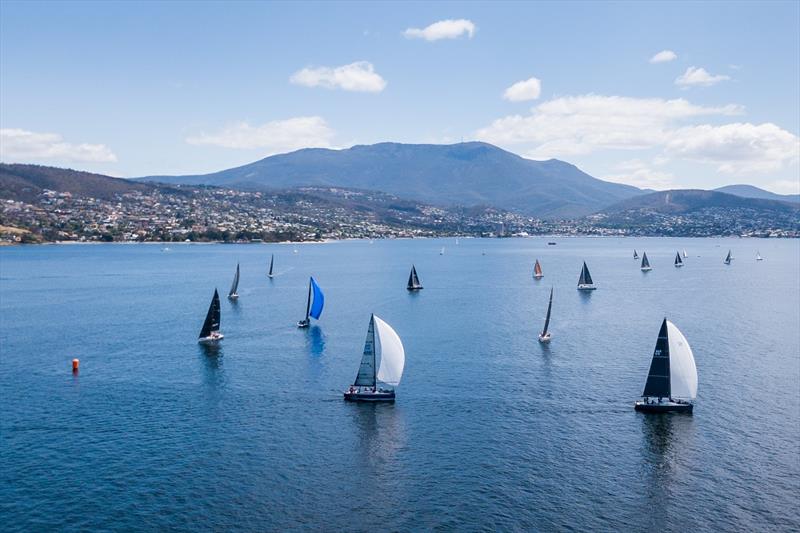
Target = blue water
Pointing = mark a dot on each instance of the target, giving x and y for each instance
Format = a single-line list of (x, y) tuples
[(490, 431)]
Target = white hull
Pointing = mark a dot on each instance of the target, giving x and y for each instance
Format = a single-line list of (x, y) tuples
[(647, 269), (544, 339), (538, 276), (214, 337), (586, 287), (233, 297)]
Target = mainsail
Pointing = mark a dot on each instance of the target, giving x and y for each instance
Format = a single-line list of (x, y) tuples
[(645, 262), (212, 317), (318, 300), (549, 308), (271, 263), (658, 378), (586, 278), (366, 371), (635, 255), (537, 270), (235, 284), (678, 260), (413, 279), (728, 258)]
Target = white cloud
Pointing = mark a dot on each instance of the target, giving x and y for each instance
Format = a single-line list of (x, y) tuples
[(700, 77), (582, 124), (785, 186), (359, 76), (524, 90), (664, 56), (275, 137), (737, 148), (444, 29), (18, 145), (638, 173)]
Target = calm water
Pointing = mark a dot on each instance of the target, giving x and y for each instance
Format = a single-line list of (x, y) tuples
[(490, 430)]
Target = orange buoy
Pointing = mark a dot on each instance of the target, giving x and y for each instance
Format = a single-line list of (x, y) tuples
[(75, 363)]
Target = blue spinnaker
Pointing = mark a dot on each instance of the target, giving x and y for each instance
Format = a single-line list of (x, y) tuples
[(319, 300)]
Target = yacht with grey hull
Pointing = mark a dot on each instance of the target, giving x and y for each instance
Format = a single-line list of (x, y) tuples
[(381, 363), (672, 380)]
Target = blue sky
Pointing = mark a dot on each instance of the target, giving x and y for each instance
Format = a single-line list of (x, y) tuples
[(133, 89)]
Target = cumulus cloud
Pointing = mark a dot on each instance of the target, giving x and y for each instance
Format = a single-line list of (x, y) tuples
[(573, 125), (275, 137), (444, 29), (638, 173), (359, 76), (664, 56), (17, 145), (698, 76), (524, 90), (737, 148)]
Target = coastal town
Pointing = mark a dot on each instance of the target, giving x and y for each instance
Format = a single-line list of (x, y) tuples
[(204, 214)]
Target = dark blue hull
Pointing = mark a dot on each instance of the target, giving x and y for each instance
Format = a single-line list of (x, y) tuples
[(664, 407), (369, 396)]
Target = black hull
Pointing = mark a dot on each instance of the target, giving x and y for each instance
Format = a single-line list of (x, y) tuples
[(412, 289), (369, 396), (663, 408)]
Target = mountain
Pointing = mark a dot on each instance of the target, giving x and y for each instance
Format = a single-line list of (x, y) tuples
[(689, 200), (26, 182), (748, 191), (468, 174)]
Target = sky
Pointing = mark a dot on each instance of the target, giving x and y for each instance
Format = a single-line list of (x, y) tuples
[(657, 95)]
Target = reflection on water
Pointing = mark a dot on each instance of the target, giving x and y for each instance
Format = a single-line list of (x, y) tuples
[(211, 355), (380, 431), (586, 296), (235, 307), (316, 341)]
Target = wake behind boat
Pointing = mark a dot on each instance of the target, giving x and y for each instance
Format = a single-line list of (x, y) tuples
[(314, 304), (210, 331), (585, 281), (672, 380), (382, 362), (413, 280), (545, 336)]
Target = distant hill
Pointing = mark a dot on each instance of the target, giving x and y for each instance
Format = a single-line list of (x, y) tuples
[(26, 182), (467, 174), (688, 200), (748, 191)]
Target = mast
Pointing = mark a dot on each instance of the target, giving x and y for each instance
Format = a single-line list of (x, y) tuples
[(308, 302), (549, 308), (658, 378)]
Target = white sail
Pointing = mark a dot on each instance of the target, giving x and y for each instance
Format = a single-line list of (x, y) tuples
[(682, 370), (390, 349)]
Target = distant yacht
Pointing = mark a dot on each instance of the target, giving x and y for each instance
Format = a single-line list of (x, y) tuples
[(645, 263), (271, 264), (758, 256), (210, 332), (672, 380), (728, 258), (537, 270), (635, 254), (544, 336), (684, 253), (413, 280), (295, 249), (678, 260), (314, 304), (551, 244), (585, 281), (441, 252), (456, 240), (232, 295), (383, 361)]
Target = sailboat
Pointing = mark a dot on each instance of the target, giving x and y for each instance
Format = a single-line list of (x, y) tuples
[(728, 258), (544, 336), (645, 263), (537, 270), (413, 280), (585, 281), (672, 380), (758, 256), (635, 255), (678, 260), (232, 295), (210, 331), (383, 361), (271, 264), (441, 252), (314, 305), (684, 253)]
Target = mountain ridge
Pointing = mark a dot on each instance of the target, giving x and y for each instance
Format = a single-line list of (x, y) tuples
[(751, 191), (470, 173)]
